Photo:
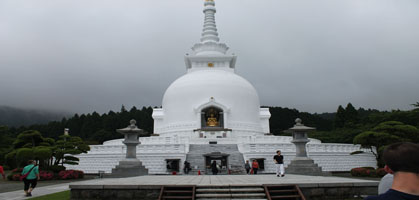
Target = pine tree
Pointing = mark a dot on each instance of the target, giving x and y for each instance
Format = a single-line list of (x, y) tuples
[(351, 115), (340, 117)]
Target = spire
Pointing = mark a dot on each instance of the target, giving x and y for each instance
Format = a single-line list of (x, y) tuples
[(209, 33), (209, 38), (210, 53)]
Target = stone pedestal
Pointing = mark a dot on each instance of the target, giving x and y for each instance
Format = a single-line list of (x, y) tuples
[(302, 164), (130, 166)]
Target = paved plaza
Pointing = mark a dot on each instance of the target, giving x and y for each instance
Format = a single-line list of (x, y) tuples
[(236, 180)]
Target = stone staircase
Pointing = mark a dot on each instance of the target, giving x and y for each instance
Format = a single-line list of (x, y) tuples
[(230, 192), (197, 151)]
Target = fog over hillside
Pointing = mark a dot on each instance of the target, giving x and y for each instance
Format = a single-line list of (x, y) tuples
[(10, 116)]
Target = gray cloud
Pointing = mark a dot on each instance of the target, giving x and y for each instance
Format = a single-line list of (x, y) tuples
[(80, 56)]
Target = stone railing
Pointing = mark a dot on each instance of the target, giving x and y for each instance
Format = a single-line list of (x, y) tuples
[(271, 139), (284, 147), (142, 148)]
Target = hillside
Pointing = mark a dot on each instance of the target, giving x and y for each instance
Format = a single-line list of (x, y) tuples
[(14, 117)]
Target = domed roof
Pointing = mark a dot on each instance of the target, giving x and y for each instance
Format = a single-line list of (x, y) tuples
[(189, 94)]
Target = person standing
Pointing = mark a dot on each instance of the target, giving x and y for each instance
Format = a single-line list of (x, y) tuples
[(31, 171), (214, 168), (279, 162), (186, 167), (255, 166), (2, 172), (247, 166), (402, 161)]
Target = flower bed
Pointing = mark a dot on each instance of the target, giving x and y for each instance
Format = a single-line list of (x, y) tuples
[(48, 175), (70, 174), (368, 172)]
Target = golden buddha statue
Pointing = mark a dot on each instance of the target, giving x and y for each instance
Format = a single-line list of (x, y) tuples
[(212, 121)]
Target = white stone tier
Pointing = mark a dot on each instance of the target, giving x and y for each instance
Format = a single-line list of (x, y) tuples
[(155, 150)]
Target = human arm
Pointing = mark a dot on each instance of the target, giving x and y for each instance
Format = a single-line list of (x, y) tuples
[(37, 173)]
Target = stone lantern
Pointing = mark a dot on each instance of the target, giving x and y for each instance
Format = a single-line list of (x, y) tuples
[(130, 166), (302, 164)]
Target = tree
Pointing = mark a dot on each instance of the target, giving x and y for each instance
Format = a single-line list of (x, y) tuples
[(28, 139), (384, 134), (408, 133), (5, 143), (375, 141), (340, 117), (67, 147), (351, 115)]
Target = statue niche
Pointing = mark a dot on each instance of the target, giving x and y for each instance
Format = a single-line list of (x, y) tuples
[(212, 117)]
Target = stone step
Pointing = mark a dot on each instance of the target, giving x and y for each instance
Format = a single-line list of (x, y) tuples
[(243, 195), (231, 198), (230, 190)]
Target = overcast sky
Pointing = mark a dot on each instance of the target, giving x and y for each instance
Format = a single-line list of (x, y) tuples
[(95, 55)]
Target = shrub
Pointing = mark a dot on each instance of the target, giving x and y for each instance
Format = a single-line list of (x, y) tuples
[(361, 171), (70, 174), (46, 175), (24, 154), (17, 170), (368, 172), (15, 177), (381, 172), (57, 168)]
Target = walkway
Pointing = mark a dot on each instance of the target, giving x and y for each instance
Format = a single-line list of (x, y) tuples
[(196, 180)]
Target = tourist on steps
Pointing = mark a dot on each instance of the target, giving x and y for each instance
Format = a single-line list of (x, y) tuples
[(402, 161), (279, 162), (247, 166), (30, 176), (255, 166), (214, 167)]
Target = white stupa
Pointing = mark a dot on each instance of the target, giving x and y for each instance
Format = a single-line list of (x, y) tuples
[(210, 87), (211, 113)]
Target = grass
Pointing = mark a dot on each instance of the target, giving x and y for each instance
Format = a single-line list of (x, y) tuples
[(55, 196)]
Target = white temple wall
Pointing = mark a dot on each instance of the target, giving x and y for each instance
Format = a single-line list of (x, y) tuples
[(153, 157), (331, 157)]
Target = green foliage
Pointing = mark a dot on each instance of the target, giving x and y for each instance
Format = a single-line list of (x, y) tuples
[(42, 153), (351, 115), (356, 152), (67, 146), (347, 117), (284, 118), (340, 117), (384, 134), (23, 155), (342, 135), (56, 168), (369, 139), (10, 159), (5, 143), (29, 138)]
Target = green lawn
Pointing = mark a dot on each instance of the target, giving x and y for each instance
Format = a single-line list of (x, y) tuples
[(56, 196)]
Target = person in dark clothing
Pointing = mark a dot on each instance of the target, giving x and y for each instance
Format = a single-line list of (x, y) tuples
[(247, 166), (402, 161), (214, 168), (186, 167), (279, 162)]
